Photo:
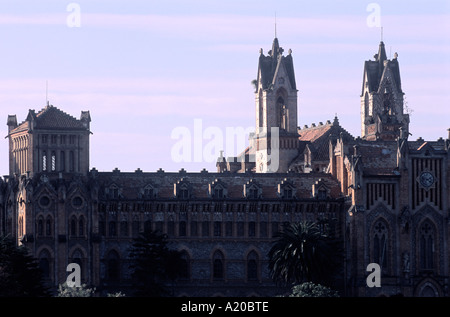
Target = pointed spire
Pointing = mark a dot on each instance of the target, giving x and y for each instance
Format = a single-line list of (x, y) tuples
[(275, 48), (381, 57)]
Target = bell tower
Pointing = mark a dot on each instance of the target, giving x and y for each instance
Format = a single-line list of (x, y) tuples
[(276, 138), (382, 104)]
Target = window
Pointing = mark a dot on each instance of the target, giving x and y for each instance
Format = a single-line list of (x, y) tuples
[(40, 227), (62, 161), (71, 161), (217, 228), (426, 246), (147, 226), (184, 193), (53, 161), (287, 192), (44, 161), (184, 266), (135, 228), (218, 265), (81, 227), (48, 227), (62, 139), (182, 229), (171, 227), (253, 193), (275, 227), (124, 228), (205, 228), (194, 228), (229, 228), (322, 194), (53, 139), (44, 138), (112, 229), (218, 192), (72, 139), (263, 229), (252, 266), (240, 228), (113, 268), (380, 235), (252, 229), (44, 263), (73, 226)]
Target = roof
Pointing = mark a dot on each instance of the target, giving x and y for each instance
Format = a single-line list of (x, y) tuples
[(269, 64), (316, 138), (374, 70), (51, 117)]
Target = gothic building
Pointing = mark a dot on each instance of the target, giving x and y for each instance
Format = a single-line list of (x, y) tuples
[(385, 196)]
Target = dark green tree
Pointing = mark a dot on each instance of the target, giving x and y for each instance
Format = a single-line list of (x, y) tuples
[(153, 265), (304, 253), (20, 275)]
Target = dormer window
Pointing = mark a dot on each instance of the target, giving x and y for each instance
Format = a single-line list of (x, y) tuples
[(320, 190), (252, 190), (182, 189), (113, 191), (322, 194), (286, 189), (183, 192), (148, 192), (253, 193), (217, 189)]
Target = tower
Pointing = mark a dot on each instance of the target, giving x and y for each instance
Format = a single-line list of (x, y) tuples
[(49, 141), (382, 111), (275, 140)]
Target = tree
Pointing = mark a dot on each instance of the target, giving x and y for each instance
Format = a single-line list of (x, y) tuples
[(153, 264), (72, 291), (20, 275), (302, 253), (309, 289)]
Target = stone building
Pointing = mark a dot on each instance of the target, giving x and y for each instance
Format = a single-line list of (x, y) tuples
[(385, 196)]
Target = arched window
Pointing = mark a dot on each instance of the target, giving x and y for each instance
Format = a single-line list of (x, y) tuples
[(124, 228), (147, 226), (53, 161), (40, 227), (170, 226), (182, 228), (71, 161), (112, 229), (252, 266), (218, 265), (426, 246), (77, 257), (44, 263), (366, 105), (48, 226), (62, 161), (113, 266), (81, 226), (282, 110), (73, 226), (380, 237), (44, 161), (185, 266)]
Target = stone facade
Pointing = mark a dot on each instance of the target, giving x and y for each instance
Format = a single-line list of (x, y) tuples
[(385, 196)]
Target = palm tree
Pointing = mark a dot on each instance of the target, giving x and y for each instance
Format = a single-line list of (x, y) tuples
[(302, 253)]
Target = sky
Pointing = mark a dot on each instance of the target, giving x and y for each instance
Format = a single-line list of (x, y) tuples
[(162, 78)]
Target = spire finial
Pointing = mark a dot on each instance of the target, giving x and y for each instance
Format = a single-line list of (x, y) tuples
[(275, 24), (381, 34)]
